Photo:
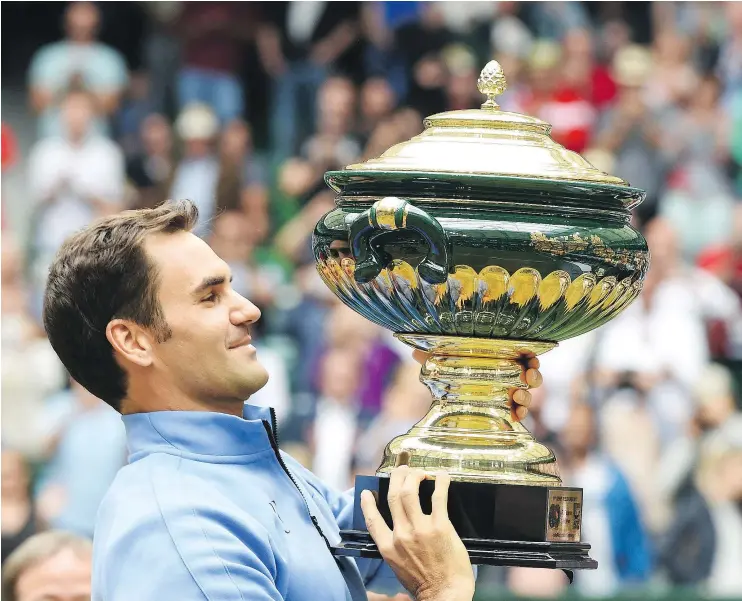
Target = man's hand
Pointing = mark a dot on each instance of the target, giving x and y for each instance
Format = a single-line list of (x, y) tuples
[(424, 551), (520, 398)]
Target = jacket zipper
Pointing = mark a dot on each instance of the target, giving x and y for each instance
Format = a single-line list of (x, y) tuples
[(272, 431)]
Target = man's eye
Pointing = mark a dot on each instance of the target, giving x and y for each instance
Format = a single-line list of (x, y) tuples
[(209, 299)]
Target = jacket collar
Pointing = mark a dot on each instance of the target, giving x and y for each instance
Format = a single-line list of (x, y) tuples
[(203, 433)]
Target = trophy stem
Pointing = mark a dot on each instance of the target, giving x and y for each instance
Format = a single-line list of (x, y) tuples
[(469, 431)]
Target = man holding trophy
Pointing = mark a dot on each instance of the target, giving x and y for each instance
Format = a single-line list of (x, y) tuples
[(481, 243)]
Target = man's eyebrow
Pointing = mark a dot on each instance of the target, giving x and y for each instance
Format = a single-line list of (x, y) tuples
[(208, 282)]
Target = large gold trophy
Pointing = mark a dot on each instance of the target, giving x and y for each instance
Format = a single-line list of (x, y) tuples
[(481, 241)]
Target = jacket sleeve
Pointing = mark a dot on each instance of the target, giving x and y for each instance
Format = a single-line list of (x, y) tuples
[(178, 546)]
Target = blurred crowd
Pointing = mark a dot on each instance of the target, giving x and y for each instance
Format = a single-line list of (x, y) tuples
[(644, 413)]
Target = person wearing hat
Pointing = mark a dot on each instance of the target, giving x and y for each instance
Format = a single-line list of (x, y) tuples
[(197, 174)]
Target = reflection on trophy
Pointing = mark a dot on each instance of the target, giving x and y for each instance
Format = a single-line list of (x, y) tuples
[(482, 241)]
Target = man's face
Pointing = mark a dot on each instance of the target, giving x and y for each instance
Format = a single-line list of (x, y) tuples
[(65, 576), (81, 22), (77, 114), (208, 356)]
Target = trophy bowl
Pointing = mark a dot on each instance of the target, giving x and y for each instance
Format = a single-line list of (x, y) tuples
[(482, 241)]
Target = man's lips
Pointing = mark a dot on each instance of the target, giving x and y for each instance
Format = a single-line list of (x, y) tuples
[(244, 341)]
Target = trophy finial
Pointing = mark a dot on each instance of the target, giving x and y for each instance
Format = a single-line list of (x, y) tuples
[(491, 83)]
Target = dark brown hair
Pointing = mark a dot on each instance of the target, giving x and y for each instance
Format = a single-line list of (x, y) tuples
[(102, 273)]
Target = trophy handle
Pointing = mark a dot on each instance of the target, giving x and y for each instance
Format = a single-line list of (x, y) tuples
[(389, 214)]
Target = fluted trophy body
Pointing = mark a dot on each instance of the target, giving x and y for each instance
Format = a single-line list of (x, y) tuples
[(480, 241)]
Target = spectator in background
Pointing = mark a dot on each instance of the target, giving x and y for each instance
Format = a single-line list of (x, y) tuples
[(243, 179), (377, 101), (19, 517), (197, 174), (214, 36), (86, 450), (699, 202), (715, 411), (300, 43), (659, 342), (336, 425), (569, 106), (135, 108), (162, 53), (673, 77), (152, 170), (30, 367), (610, 517), (333, 146), (381, 56), (421, 43), (461, 84), (719, 478), (73, 178), (631, 131), (77, 62), (49, 566)]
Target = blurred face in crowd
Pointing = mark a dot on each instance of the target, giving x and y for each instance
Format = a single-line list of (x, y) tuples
[(81, 21), (377, 98), (77, 114), (15, 477), (407, 398), (707, 94), (578, 435), (157, 135), (65, 576), (671, 48), (231, 238), (337, 99), (578, 44), (662, 240), (340, 375), (235, 139), (208, 356)]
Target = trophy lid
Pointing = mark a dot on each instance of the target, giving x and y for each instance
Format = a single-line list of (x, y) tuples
[(485, 142)]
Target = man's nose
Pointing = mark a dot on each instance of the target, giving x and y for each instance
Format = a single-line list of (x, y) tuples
[(244, 312)]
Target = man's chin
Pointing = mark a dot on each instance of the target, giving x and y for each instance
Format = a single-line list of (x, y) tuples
[(257, 381)]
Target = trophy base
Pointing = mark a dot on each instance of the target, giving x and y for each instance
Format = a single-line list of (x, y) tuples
[(563, 556), (500, 524)]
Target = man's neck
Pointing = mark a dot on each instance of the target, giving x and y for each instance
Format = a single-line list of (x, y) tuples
[(131, 405), (148, 397)]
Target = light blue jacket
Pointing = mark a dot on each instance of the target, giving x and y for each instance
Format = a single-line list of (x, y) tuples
[(207, 509)]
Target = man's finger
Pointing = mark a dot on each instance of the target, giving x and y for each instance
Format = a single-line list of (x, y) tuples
[(519, 399), (420, 356), (394, 496), (534, 378), (439, 500), (411, 497), (522, 397), (534, 363), (375, 523)]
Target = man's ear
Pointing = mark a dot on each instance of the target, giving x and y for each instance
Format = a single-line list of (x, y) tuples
[(130, 341)]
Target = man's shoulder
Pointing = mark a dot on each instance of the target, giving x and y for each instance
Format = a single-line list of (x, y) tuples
[(158, 490), (157, 514)]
